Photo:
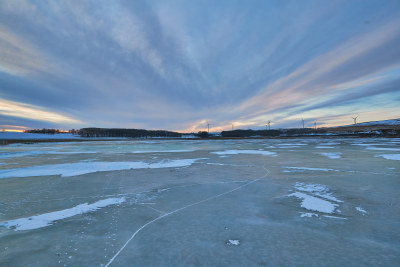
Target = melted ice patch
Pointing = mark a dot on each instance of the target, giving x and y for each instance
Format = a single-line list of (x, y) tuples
[(254, 152), (79, 168), (46, 219), (390, 156), (332, 155)]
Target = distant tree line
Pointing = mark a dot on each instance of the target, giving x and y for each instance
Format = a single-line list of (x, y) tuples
[(118, 132), (43, 131)]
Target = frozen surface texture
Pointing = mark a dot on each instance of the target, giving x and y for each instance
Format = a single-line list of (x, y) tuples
[(265, 202)]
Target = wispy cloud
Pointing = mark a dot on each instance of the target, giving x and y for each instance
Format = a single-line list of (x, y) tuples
[(176, 64), (22, 110)]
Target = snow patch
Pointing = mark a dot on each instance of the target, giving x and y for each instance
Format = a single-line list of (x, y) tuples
[(79, 168), (332, 155), (235, 152), (233, 242), (314, 203), (46, 219), (390, 156), (363, 211), (310, 169), (383, 148), (308, 214), (324, 147)]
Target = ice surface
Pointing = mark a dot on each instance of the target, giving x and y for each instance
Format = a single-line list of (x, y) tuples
[(390, 156), (324, 147), (332, 155), (40, 152), (334, 217), (185, 216), (46, 219), (235, 152), (79, 168)]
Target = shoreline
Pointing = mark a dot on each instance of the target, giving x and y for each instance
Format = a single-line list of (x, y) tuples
[(33, 141)]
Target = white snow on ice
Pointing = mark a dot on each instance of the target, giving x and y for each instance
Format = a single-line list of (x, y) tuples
[(310, 169), (233, 242), (314, 203), (46, 219), (363, 211), (324, 147), (308, 214), (164, 151), (383, 148), (332, 155), (79, 168), (315, 197), (235, 152), (316, 190), (390, 156)]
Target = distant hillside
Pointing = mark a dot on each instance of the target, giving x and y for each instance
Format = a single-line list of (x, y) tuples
[(384, 125), (385, 128)]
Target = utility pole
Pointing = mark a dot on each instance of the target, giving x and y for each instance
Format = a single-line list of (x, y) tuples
[(315, 125), (302, 122), (208, 128), (232, 127)]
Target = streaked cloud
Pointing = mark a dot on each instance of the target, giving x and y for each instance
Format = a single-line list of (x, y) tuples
[(178, 64), (22, 110)]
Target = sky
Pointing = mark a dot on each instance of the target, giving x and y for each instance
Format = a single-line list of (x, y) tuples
[(180, 65)]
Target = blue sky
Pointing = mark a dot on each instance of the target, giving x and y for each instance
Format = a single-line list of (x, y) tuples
[(178, 65)]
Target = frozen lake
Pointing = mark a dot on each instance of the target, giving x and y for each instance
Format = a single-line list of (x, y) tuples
[(264, 202)]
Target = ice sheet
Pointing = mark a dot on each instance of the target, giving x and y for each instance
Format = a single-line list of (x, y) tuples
[(79, 168), (324, 147), (235, 152), (46, 219)]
